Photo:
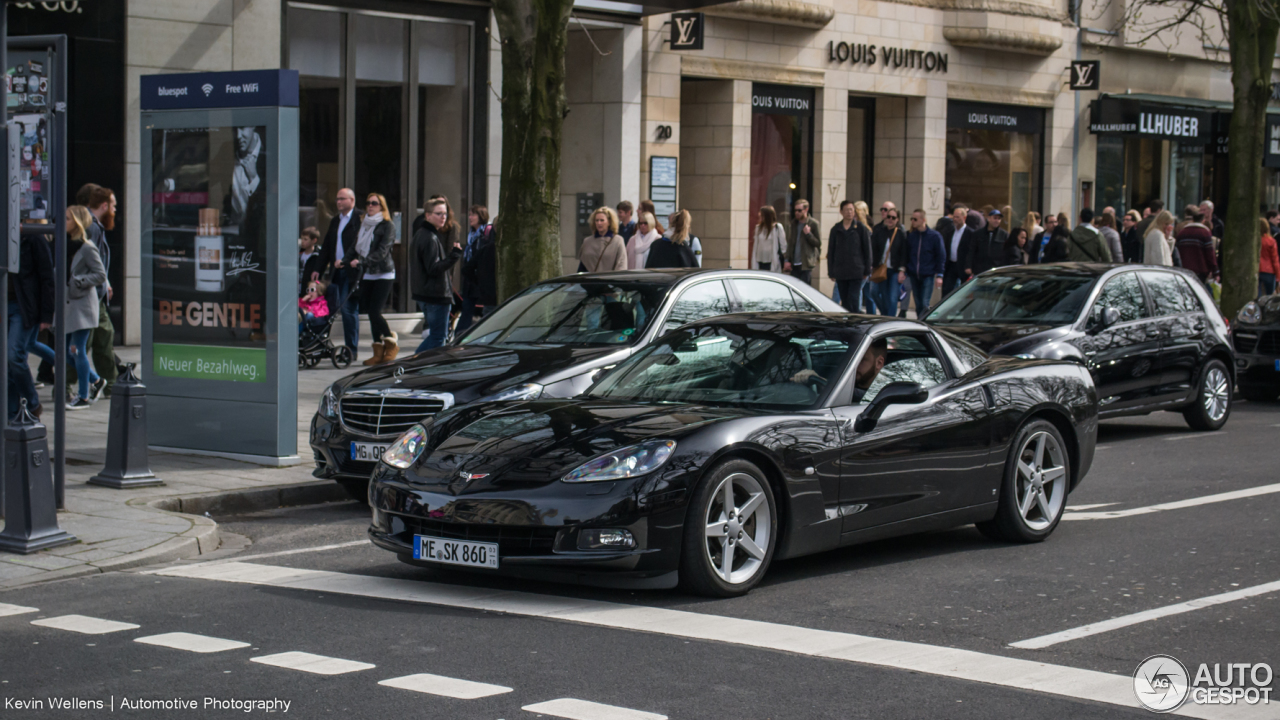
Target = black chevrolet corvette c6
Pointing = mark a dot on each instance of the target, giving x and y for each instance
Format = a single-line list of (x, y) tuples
[(737, 440)]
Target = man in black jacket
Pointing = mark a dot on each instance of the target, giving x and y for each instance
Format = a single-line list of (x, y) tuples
[(956, 238), (987, 248), (30, 310), (849, 260), (1040, 242), (344, 230), (432, 275)]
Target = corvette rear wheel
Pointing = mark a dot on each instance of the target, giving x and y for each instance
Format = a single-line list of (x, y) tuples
[(1034, 491), (730, 533)]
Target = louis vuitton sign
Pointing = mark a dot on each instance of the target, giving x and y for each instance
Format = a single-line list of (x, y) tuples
[(686, 31), (864, 54)]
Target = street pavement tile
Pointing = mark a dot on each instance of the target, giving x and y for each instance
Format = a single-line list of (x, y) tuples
[(574, 709), (10, 571), (445, 686), (41, 561), (84, 624), (307, 662), (192, 642), (6, 609)]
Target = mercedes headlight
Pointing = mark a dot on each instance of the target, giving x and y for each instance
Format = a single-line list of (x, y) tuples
[(523, 391), (1250, 313), (329, 404), (406, 451), (625, 463)]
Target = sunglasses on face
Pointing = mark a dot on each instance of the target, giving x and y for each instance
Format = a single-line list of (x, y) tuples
[(373, 203), (890, 217)]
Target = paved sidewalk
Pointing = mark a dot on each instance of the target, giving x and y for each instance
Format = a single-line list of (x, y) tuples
[(119, 529)]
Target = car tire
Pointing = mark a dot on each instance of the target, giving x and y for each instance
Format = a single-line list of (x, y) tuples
[(709, 531), (1033, 493), (1212, 405), (1259, 393), (357, 489)]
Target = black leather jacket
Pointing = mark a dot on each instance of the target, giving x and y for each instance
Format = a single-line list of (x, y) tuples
[(379, 259), (432, 280)]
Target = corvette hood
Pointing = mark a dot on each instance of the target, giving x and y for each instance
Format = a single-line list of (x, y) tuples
[(537, 442), (471, 371)]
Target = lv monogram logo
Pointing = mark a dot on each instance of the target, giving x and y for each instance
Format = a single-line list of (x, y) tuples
[(833, 190), (684, 30), (933, 197)]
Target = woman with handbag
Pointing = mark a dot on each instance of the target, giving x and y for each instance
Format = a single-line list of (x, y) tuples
[(371, 255), (884, 248), (770, 250)]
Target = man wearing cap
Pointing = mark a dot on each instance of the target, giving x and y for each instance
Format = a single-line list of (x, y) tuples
[(988, 245)]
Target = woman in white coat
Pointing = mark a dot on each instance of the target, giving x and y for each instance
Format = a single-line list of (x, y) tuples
[(770, 241), (639, 244), (1156, 248), (85, 273)]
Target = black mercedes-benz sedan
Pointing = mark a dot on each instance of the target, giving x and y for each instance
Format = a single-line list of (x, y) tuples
[(549, 341), (737, 440), (1151, 336), (1256, 338)]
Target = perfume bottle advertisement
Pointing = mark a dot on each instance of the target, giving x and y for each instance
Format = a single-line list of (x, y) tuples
[(209, 252)]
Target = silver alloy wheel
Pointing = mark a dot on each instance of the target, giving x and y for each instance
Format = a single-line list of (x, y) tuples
[(1217, 394), (1041, 483), (738, 527)]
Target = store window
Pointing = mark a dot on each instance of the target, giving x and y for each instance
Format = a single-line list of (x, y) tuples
[(994, 156), (387, 105), (860, 159), (781, 148)]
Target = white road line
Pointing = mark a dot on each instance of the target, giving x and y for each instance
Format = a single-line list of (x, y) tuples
[(191, 642), (445, 686), (1045, 641), (1010, 672), (6, 609), (318, 548), (1078, 508), (1178, 505), (584, 710), (317, 664), (84, 624), (1193, 435)]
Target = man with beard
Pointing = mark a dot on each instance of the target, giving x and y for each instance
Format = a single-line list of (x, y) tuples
[(102, 205)]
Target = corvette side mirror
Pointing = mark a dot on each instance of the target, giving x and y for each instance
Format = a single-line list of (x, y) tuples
[(895, 393)]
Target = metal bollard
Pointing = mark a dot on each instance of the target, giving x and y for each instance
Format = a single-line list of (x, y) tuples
[(32, 515), (127, 465)]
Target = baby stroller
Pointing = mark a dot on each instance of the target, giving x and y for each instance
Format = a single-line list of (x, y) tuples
[(313, 342)]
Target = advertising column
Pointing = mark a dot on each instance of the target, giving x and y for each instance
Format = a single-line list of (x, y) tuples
[(219, 233)]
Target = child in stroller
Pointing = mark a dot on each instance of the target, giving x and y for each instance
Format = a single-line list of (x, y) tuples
[(315, 324)]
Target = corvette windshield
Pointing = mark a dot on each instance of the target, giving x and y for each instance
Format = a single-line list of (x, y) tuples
[(756, 364), (584, 313), (1035, 299)]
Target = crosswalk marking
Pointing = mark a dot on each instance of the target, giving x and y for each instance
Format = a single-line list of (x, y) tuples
[(191, 642), (584, 710), (1176, 505), (1097, 628), (445, 686), (1070, 682), (6, 609), (317, 664), (84, 624)]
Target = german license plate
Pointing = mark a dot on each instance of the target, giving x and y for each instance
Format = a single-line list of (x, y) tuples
[(367, 452), (455, 552)]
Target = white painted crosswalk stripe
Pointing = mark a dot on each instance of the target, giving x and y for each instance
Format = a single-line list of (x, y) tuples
[(1070, 682), (1098, 628), (445, 686), (1176, 505), (191, 642), (84, 624), (6, 609), (584, 710), (317, 664)]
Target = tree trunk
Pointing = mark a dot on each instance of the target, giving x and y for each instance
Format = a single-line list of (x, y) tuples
[(1251, 35), (533, 34)]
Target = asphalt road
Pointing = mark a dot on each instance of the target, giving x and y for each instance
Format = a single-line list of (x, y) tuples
[(944, 591)]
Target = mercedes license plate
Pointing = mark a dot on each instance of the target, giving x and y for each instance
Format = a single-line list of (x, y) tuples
[(368, 452), (455, 552)]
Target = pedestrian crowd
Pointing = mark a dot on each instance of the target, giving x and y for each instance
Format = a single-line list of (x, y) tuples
[(92, 365)]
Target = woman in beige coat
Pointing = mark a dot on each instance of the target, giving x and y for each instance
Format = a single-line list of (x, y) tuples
[(1156, 247), (604, 250), (85, 273)]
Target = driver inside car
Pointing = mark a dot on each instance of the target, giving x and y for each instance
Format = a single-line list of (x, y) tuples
[(869, 368)]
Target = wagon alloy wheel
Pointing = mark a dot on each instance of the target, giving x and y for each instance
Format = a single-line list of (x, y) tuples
[(738, 527), (1212, 404), (1042, 481), (1216, 394)]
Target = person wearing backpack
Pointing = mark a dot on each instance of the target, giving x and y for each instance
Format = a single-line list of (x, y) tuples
[(1086, 243)]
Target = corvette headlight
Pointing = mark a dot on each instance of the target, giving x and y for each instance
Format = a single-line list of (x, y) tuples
[(1250, 313), (1025, 356), (329, 404), (624, 463), (523, 391), (405, 451)]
